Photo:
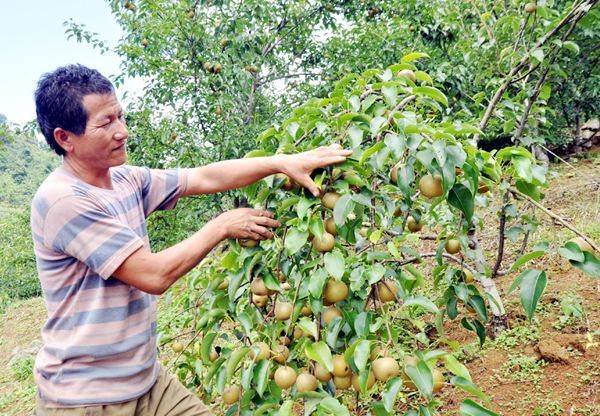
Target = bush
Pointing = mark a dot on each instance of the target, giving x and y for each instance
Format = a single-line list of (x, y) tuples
[(18, 272)]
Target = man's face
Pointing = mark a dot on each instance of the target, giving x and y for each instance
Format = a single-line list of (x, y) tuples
[(103, 144)]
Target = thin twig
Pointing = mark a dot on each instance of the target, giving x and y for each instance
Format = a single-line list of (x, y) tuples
[(556, 217)]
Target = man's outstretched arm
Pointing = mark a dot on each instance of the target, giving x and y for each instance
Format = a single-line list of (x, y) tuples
[(233, 174)]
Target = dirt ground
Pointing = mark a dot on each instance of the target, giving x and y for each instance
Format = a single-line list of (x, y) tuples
[(507, 369)]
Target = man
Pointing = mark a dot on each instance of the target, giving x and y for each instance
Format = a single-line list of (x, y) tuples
[(98, 274)]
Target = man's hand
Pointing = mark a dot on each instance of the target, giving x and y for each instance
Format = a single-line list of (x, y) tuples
[(299, 166), (156, 272), (247, 223)]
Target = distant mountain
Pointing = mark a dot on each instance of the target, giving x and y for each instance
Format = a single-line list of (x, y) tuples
[(24, 164)]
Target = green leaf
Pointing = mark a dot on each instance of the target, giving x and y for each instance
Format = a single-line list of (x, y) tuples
[(455, 367), (529, 189), (571, 46), (234, 360), (304, 204), (478, 304), (379, 409), (265, 407), (309, 326), (462, 129), (342, 208), (261, 375), (395, 143), (461, 198), (317, 280), (374, 273), (440, 151), (433, 93), (333, 331), (335, 264), (368, 102), (480, 330), (244, 319), (416, 273), (406, 177), (331, 405), (369, 152), (523, 167), (286, 408), (391, 94), (538, 54), (356, 136), (590, 265), (294, 240), (255, 153), (362, 353), (230, 260), (467, 385), (532, 287), (206, 346), (389, 396), (524, 259), (470, 408), (422, 376), (214, 368), (423, 302), (413, 56), (423, 76)]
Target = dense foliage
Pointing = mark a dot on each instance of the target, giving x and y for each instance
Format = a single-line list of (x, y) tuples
[(23, 167)]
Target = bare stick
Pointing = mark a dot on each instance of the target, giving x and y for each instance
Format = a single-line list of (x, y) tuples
[(501, 237), (446, 255), (556, 217)]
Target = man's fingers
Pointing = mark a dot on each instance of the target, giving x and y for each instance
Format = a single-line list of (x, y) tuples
[(263, 233), (267, 222), (261, 213)]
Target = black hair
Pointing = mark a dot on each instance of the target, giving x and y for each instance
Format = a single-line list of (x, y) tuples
[(59, 100)]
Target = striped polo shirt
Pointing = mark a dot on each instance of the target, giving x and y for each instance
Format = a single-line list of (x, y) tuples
[(100, 336)]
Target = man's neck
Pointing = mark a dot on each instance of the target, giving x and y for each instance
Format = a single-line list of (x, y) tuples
[(98, 178)]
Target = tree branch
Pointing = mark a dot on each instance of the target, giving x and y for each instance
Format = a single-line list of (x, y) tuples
[(556, 217)]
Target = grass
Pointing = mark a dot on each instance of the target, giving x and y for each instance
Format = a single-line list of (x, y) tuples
[(20, 400)]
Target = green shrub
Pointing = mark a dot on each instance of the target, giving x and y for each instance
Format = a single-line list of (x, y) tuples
[(18, 272)]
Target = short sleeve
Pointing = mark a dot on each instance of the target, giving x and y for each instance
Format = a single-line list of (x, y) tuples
[(80, 228), (161, 189)]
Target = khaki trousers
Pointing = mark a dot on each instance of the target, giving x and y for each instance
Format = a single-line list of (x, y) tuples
[(167, 397)]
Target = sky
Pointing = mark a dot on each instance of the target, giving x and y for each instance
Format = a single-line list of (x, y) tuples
[(33, 41)]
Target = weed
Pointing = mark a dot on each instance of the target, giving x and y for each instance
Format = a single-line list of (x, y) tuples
[(549, 408), (22, 368), (468, 352), (518, 335), (523, 368), (25, 397), (572, 312)]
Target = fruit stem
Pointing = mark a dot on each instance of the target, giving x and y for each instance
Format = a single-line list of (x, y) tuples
[(387, 324), (281, 252)]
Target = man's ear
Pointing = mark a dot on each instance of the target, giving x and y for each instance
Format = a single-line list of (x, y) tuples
[(63, 139)]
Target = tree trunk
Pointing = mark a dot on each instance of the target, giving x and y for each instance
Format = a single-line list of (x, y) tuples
[(577, 138), (499, 320), (538, 151)]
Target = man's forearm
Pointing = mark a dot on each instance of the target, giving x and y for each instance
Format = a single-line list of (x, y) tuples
[(231, 174), (155, 272)]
